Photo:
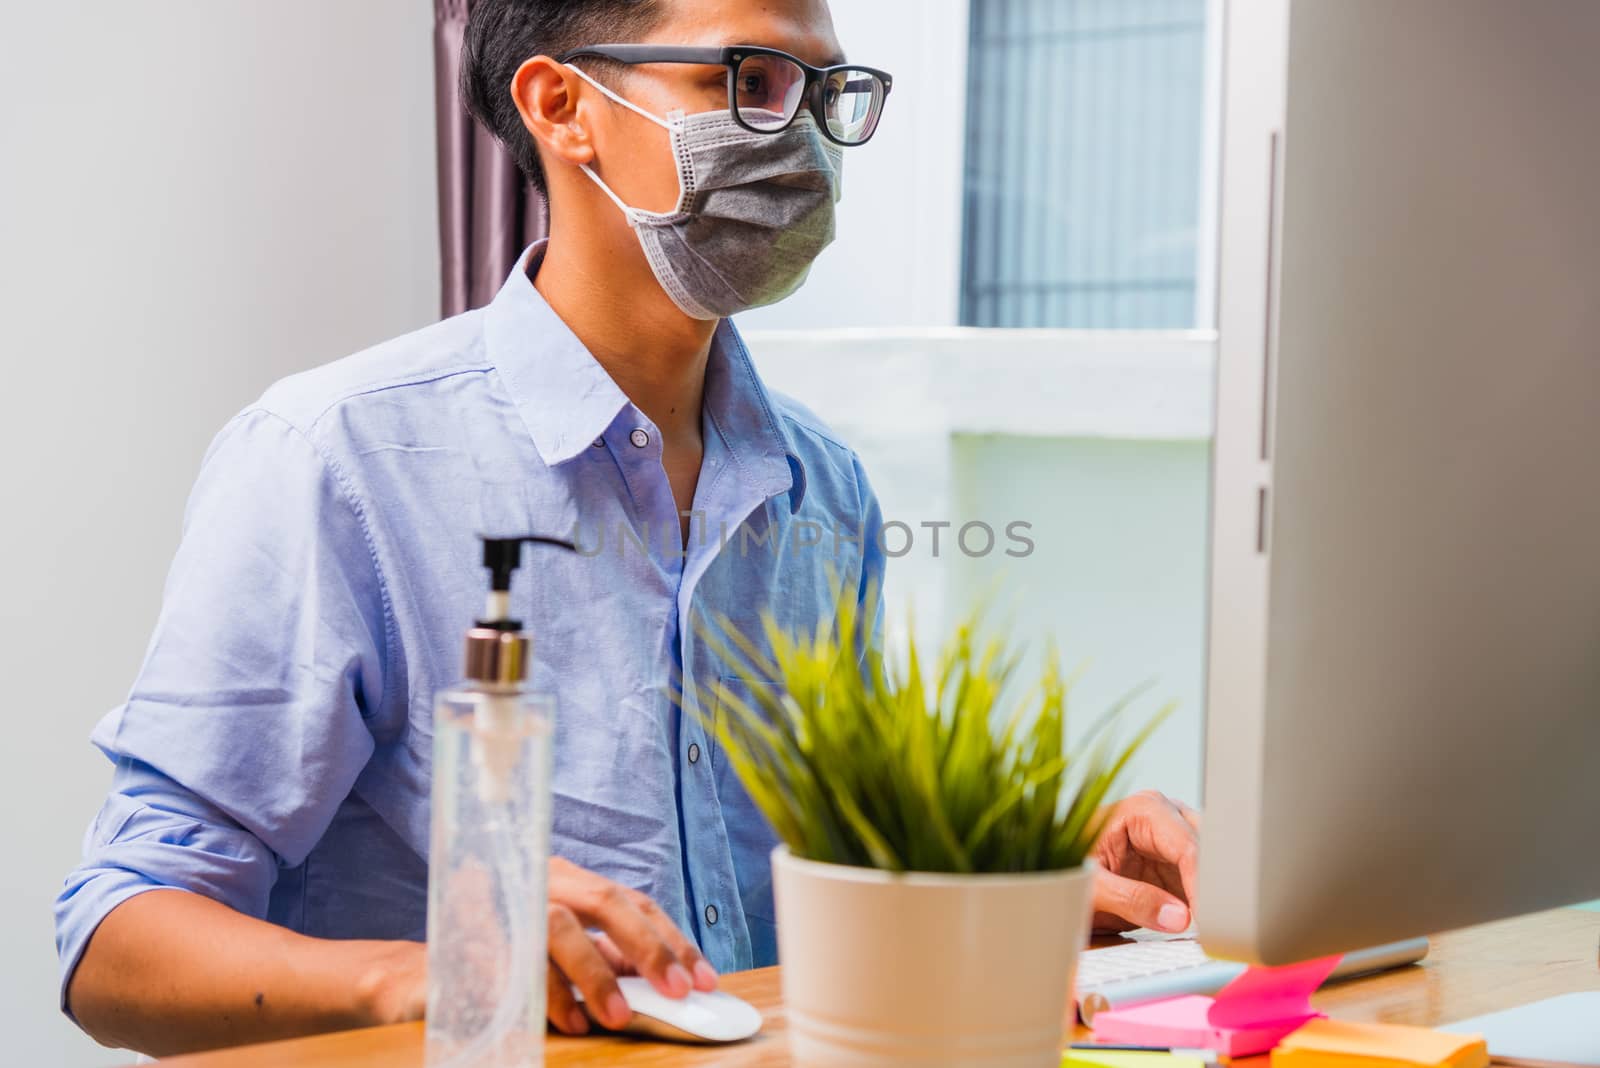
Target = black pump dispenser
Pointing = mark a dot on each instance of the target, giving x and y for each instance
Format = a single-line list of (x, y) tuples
[(497, 651), (502, 556)]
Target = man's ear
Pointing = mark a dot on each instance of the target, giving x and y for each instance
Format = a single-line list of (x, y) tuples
[(547, 95)]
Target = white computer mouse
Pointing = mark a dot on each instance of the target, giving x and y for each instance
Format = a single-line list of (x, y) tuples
[(700, 1017)]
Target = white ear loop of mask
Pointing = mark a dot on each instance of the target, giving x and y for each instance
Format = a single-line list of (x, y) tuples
[(633, 215)]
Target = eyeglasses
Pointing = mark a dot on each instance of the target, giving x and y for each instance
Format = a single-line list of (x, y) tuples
[(766, 87)]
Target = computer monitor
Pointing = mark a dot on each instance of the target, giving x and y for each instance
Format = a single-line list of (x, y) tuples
[(1403, 712)]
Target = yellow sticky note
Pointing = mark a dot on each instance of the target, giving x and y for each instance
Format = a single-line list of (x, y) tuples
[(1113, 1058), (1341, 1044)]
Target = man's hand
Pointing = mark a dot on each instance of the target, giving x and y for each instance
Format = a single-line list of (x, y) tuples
[(635, 937), (1148, 857)]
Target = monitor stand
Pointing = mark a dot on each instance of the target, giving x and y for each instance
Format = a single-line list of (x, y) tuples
[(1555, 1033)]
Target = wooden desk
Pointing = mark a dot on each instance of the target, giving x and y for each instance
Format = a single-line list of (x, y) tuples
[(1468, 973)]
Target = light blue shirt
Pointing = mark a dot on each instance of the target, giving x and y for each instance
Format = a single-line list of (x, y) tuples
[(274, 752)]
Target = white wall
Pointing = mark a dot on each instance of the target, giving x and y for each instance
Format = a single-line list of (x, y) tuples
[(197, 198)]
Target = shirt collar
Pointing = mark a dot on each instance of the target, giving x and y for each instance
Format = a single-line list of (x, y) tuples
[(568, 401)]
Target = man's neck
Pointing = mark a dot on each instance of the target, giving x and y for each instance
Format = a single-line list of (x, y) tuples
[(655, 353)]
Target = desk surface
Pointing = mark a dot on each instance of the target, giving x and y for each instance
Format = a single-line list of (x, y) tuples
[(1468, 973)]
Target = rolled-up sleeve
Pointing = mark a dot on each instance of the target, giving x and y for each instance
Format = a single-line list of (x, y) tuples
[(250, 717)]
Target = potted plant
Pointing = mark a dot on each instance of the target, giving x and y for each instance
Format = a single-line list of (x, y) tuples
[(934, 884)]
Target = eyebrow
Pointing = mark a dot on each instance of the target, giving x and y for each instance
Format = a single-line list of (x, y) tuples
[(835, 59)]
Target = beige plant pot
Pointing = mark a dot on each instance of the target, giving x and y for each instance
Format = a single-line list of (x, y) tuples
[(936, 971)]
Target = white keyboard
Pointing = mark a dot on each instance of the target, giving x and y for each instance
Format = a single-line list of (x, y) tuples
[(1144, 971), (1113, 964)]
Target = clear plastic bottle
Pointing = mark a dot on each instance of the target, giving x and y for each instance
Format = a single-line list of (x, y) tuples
[(486, 889), (489, 846)]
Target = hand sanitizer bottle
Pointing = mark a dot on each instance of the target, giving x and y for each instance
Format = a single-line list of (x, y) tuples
[(490, 844)]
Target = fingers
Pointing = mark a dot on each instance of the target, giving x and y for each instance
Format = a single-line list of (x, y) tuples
[(1141, 904), (574, 953), (703, 976), (637, 929), (613, 911), (1160, 829), (608, 949), (561, 1007)]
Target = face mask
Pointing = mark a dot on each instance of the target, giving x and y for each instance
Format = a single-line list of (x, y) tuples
[(754, 210)]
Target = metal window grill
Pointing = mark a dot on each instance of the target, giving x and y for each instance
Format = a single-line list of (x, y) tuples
[(1084, 127)]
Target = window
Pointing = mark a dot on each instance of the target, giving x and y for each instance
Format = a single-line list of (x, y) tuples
[(1084, 156), (1080, 204)]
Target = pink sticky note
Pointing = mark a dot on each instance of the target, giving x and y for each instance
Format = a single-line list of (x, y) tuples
[(1271, 993), (1248, 1016)]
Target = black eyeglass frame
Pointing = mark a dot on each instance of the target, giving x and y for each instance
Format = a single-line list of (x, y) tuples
[(731, 57)]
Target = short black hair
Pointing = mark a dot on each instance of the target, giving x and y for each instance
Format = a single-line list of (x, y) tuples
[(502, 35)]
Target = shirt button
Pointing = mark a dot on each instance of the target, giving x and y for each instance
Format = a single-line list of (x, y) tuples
[(639, 438), (599, 443), (694, 753), (711, 915)]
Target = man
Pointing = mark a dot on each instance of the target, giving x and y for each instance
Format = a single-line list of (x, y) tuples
[(258, 869)]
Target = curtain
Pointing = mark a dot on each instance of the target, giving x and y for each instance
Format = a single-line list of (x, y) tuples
[(488, 212)]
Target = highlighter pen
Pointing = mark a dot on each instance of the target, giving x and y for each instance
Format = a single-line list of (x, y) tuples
[(1175, 1051)]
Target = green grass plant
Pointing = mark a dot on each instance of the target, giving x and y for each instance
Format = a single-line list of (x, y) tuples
[(859, 759)]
